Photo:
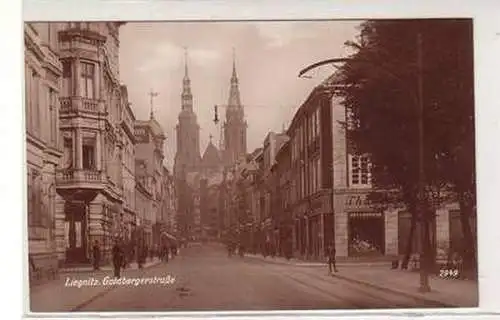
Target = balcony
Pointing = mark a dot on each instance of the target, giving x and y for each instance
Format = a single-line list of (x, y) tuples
[(76, 105), (79, 184)]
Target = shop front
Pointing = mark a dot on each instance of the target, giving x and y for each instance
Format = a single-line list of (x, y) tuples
[(313, 227), (363, 229)]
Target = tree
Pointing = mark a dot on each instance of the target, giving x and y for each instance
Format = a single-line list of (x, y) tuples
[(380, 93)]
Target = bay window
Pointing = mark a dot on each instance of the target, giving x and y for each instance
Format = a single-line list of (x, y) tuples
[(87, 80)]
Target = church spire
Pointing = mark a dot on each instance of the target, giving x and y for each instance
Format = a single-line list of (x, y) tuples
[(234, 91), (186, 74), (187, 97)]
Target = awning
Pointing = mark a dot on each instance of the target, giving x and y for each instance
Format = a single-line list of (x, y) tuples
[(365, 214)]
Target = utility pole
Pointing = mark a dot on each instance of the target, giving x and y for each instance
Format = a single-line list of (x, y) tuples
[(424, 234)]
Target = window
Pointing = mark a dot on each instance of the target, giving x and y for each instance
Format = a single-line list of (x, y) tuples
[(314, 176), (30, 199), (68, 153), (317, 121), (66, 77), (360, 171), (318, 173), (34, 198), (88, 153), (32, 100), (53, 117), (87, 80), (27, 96)]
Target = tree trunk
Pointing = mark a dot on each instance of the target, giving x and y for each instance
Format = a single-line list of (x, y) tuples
[(468, 245), (427, 261), (409, 244)]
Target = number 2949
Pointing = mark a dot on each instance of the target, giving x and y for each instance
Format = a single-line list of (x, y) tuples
[(448, 273)]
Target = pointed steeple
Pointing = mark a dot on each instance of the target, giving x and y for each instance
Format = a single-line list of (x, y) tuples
[(234, 91), (187, 97)]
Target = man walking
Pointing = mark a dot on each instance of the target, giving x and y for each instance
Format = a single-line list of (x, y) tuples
[(96, 254), (117, 253), (331, 258)]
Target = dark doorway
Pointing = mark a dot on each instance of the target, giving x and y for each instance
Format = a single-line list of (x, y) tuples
[(366, 235), (75, 227)]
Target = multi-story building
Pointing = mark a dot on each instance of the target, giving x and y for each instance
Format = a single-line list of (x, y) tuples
[(311, 181), (89, 182), (43, 71), (149, 152), (144, 198), (128, 165), (282, 217), (272, 144)]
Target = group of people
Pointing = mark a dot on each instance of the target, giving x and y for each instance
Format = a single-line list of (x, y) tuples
[(123, 254)]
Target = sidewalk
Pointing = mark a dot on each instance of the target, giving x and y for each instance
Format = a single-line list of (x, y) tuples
[(109, 267), (54, 296), (452, 293), (302, 263)]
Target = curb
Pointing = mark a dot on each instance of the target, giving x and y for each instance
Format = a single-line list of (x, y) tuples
[(399, 292), (107, 268)]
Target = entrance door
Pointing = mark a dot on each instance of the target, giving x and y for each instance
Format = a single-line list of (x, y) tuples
[(75, 233)]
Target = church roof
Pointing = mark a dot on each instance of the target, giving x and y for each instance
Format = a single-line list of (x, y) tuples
[(211, 156), (153, 125), (156, 127)]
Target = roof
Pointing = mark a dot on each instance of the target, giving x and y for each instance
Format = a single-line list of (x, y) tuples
[(156, 128), (211, 157), (153, 125)]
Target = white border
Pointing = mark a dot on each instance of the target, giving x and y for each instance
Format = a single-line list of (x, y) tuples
[(487, 68)]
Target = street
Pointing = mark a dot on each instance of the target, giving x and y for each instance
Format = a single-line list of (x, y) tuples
[(207, 280)]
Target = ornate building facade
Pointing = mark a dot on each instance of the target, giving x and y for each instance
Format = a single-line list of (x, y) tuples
[(43, 71), (89, 181)]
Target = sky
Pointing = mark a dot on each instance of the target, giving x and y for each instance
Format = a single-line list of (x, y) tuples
[(268, 56)]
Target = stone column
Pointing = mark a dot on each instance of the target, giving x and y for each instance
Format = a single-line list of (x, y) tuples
[(78, 148), (98, 151), (341, 225), (76, 77), (391, 231)]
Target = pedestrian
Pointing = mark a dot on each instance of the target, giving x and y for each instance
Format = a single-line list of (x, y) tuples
[(96, 254), (165, 252), (331, 258), (117, 253)]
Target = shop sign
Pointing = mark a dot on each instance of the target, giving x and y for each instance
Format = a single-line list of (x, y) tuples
[(358, 200)]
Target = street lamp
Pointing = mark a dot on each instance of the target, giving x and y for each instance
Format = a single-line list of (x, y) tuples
[(418, 97)]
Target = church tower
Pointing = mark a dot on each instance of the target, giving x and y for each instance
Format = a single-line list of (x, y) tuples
[(235, 127), (187, 158)]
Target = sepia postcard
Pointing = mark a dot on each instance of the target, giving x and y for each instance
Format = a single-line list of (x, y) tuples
[(250, 165)]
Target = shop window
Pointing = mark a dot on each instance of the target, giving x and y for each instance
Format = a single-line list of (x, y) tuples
[(366, 234)]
